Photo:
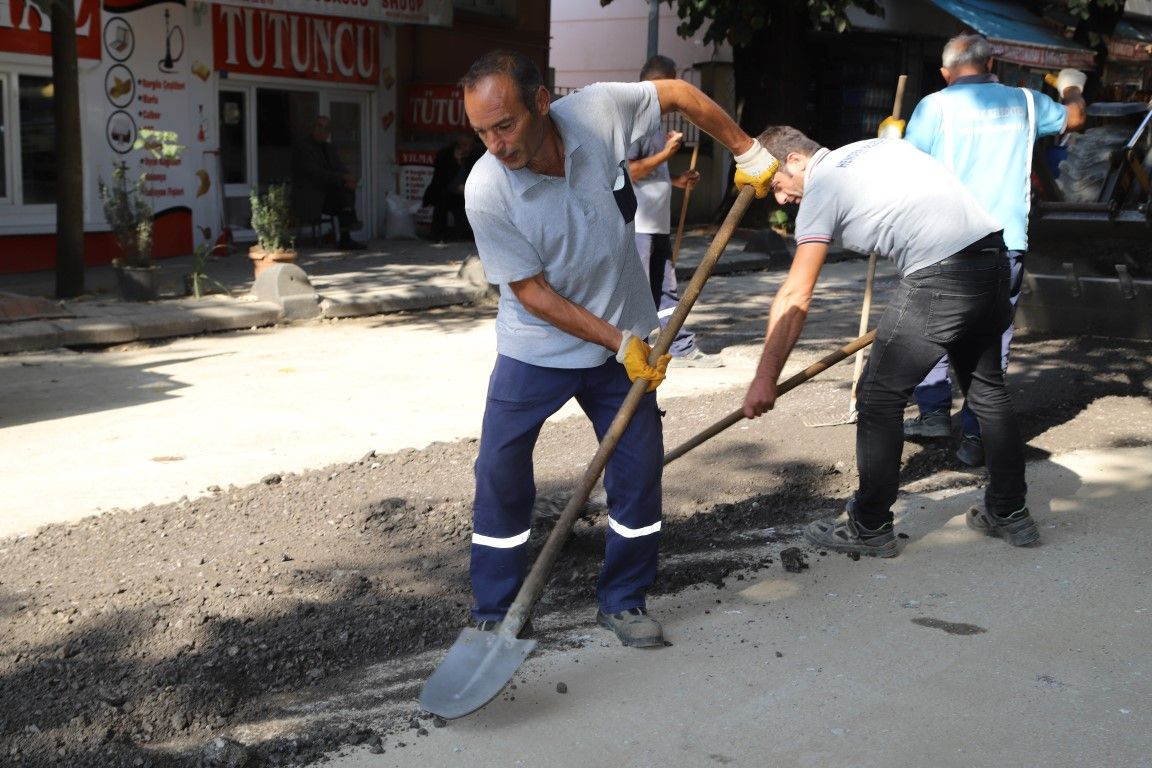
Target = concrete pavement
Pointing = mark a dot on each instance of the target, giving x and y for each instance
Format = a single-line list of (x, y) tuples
[(144, 423)]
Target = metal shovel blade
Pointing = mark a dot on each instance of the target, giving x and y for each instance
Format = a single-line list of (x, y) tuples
[(477, 667)]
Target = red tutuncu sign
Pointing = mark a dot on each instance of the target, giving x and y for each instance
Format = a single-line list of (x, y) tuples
[(432, 108), (297, 45), (25, 28)]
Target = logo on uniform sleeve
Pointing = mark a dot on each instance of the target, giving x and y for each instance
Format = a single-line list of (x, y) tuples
[(624, 194)]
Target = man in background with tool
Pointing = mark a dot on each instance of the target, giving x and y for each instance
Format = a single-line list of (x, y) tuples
[(984, 132), (648, 168), (551, 206), (886, 196)]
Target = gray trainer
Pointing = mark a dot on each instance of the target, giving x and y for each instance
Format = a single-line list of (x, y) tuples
[(1018, 528), (932, 424), (696, 359), (634, 627), (851, 538)]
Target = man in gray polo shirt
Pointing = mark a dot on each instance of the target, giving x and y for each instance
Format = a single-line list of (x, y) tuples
[(887, 196), (551, 207)]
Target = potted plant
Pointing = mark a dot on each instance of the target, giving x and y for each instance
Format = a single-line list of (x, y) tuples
[(129, 214), (275, 234)]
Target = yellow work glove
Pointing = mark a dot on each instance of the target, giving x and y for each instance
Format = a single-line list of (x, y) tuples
[(633, 355), (757, 166), (890, 128)]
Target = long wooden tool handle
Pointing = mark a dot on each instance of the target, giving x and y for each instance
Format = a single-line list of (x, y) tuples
[(898, 102), (684, 205), (787, 385), (533, 585)]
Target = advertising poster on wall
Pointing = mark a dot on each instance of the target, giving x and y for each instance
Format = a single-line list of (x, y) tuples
[(157, 92), (415, 174)]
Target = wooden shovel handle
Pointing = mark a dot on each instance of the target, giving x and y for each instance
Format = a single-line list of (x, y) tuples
[(787, 385), (533, 585), (684, 206)]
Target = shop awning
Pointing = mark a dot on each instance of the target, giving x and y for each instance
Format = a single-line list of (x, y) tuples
[(1131, 41), (1019, 36), (432, 12)]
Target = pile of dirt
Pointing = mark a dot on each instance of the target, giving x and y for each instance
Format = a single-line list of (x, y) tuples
[(203, 632)]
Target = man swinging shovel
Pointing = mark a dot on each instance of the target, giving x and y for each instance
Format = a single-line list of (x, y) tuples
[(551, 206)]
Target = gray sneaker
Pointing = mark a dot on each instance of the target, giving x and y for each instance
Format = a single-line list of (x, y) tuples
[(851, 538), (932, 424), (634, 627), (1018, 528), (696, 359)]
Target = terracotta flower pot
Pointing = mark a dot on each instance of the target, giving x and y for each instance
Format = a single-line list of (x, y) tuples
[(262, 259)]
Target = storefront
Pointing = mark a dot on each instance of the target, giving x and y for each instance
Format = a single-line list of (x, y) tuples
[(239, 83)]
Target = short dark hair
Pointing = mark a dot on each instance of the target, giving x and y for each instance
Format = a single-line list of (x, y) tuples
[(781, 140), (518, 67), (658, 68)]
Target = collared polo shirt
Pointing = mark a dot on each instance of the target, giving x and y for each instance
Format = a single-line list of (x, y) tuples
[(983, 132), (572, 229), (885, 195)]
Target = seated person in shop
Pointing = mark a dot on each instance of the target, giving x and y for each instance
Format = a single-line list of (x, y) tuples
[(445, 192), (321, 183)]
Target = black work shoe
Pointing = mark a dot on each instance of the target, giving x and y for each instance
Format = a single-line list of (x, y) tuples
[(971, 450), (1018, 528), (851, 538), (931, 424), (634, 627), (351, 245), (492, 625)]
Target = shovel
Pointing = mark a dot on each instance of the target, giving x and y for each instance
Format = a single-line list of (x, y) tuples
[(787, 385), (479, 664)]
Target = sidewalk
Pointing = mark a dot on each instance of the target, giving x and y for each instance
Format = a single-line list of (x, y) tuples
[(390, 276)]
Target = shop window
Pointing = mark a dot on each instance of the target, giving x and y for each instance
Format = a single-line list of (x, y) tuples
[(37, 141)]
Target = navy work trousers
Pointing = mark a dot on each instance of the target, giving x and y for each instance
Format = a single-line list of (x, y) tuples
[(957, 307), (520, 398)]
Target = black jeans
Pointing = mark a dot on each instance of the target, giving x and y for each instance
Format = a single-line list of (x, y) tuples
[(960, 307)]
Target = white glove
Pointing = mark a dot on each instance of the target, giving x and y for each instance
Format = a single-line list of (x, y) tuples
[(1068, 78), (756, 167)]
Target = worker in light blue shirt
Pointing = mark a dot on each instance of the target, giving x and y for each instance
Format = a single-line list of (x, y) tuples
[(984, 132)]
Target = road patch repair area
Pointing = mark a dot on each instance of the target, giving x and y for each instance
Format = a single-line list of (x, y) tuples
[(296, 619)]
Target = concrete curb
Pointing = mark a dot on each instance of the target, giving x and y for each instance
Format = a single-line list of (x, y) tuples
[(400, 277)]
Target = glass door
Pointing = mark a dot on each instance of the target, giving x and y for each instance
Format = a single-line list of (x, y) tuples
[(348, 113)]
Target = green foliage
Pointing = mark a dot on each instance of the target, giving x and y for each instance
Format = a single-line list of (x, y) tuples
[(129, 214), (737, 21), (272, 219), (199, 275), (126, 204)]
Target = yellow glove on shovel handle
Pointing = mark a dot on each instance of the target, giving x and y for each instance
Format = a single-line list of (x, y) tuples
[(756, 167), (890, 128), (633, 355)]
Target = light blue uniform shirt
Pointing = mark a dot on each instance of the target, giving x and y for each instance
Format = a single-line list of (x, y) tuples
[(571, 229), (983, 132)]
